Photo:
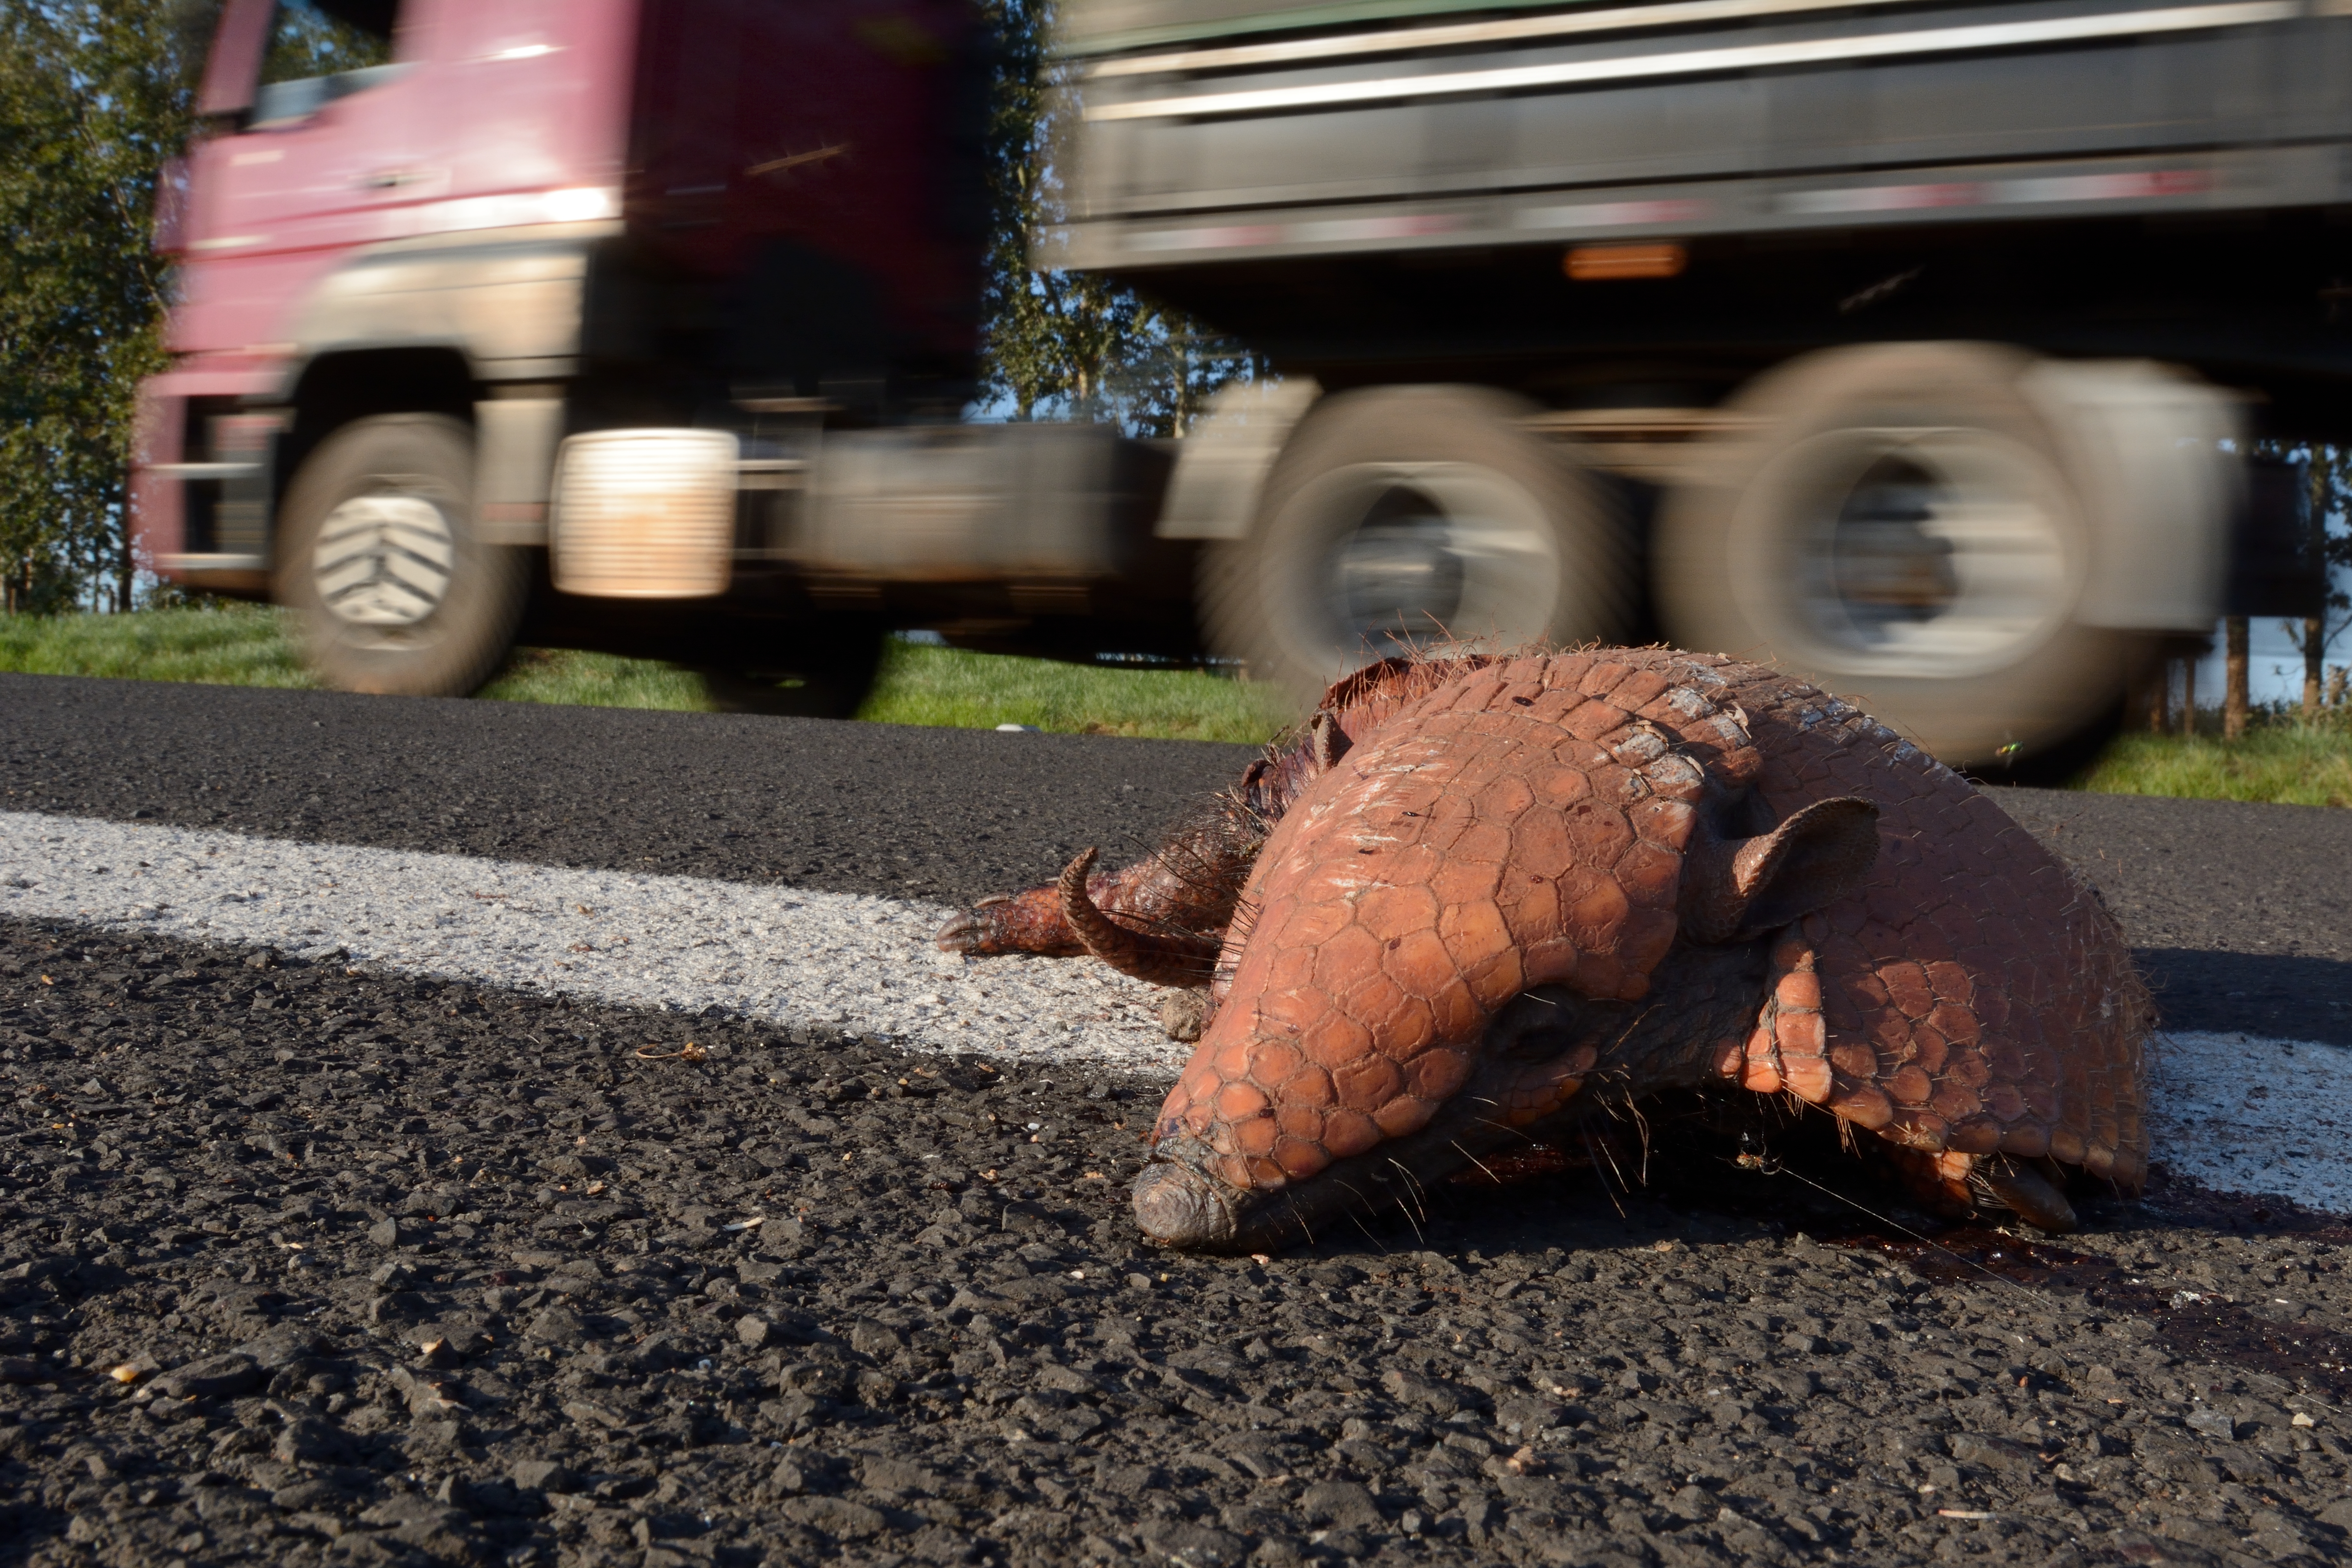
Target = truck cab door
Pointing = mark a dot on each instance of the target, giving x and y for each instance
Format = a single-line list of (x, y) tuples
[(332, 143), (534, 111)]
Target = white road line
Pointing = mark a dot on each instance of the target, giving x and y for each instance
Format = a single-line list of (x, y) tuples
[(2244, 1113), (2237, 1112), (783, 954)]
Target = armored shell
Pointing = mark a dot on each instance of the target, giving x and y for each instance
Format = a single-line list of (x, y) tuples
[(1534, 824)]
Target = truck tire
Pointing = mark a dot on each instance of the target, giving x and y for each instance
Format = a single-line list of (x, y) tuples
[(1403, 518), (379, 559), (825, 675), (1898, 524)]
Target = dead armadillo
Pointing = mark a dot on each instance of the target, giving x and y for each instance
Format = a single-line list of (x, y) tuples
[(1478, 899)]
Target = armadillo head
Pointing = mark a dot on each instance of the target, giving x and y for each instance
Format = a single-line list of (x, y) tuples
[(1537, 876)]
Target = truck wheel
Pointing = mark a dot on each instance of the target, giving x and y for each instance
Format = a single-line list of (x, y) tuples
[(1401, 517), (378, 557), (819, 676), (1898, 525)]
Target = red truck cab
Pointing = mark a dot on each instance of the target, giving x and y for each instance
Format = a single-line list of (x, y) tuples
[(539, 218)]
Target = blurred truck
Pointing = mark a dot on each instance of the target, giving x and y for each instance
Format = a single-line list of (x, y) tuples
[(1917, 347)]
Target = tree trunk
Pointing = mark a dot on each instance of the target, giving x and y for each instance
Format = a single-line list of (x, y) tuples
[(1181, 424), (2155, 698), (2188, 695), (2315, 650), (2326, 473), (127, 567), (2235, 694), (2335, 683)]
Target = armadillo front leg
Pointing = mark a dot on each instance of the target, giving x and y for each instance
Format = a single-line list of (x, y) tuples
[(1021, 923), (1189, 886)]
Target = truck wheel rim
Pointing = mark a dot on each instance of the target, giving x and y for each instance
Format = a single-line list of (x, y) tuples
[(1389, 557), (384, 561), (1930, 554)]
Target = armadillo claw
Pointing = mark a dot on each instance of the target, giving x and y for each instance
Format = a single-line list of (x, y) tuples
[(967, 934), (1029, 923), (2027, 1193)]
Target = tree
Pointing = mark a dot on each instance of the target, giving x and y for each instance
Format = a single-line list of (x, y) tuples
[(94, 96), (1061, 341), (2330, 552), (2235, 693)]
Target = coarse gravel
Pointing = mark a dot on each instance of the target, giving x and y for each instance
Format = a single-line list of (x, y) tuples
[(405, 1271)]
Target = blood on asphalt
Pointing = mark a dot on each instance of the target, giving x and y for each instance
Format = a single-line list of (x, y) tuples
[(302, 1264)]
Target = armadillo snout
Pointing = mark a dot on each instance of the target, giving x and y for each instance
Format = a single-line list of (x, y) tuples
[(1182, 1201), (1178, 1206)]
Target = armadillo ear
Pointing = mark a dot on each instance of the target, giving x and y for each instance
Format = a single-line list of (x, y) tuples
[(1734, 888), (1327, 741)]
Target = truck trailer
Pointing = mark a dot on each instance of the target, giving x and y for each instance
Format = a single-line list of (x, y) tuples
[(1917, 347)]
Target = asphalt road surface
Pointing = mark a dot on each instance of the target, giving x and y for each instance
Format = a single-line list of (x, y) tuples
[(2220, 898), (310, 1260), (946, 815)]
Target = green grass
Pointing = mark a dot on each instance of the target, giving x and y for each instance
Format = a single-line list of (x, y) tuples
[(567, 677), (2280, 760), (979, 691), (237, 645), (247, 645)]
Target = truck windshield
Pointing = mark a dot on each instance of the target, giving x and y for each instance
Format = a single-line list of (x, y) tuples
[(315, 58)]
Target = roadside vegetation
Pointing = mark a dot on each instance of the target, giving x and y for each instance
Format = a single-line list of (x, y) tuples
[(568, 677), (249, 645), (236, 645), (979, 691), (2282, 757)]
